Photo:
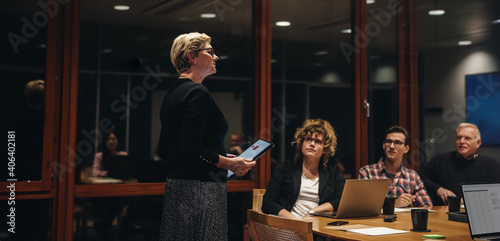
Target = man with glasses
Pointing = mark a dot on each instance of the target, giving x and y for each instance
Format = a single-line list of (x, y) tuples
[(443, 174), (406, 185)]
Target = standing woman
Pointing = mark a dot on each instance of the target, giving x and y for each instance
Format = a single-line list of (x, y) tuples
[(192, 143), (310, 183)]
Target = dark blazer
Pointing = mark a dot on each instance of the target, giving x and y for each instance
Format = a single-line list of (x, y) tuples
[(284, 186)]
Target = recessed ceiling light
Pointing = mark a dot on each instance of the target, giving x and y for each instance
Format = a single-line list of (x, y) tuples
[(497, 21), (208, 15), (42, 46), (122, 7), (283, 23), (223, 57), (370, 1), (436, 12), (322, 52), (464, 43), (107, 51), (347, 30)]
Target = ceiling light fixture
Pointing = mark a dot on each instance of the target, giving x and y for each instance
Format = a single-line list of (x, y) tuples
[(347, 30), (436, 12), (496, 21), (370, 1), (122, 7), (322, 52), (463, 43), (283, 23), (208, 15)]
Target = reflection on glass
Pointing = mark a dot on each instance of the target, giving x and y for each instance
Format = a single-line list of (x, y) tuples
[(117, 218), (22, 66), (382, 73), (311, 74), (444, 66), (125, 72)]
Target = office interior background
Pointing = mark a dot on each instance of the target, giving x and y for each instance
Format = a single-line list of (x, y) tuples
[(363, 65)]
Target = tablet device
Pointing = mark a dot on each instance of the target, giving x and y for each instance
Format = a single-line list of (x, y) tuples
[(256, 150)]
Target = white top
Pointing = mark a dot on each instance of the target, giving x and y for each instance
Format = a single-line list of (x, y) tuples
[(308, 197)]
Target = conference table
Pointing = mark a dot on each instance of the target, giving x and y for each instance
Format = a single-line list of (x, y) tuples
[(438, 223)]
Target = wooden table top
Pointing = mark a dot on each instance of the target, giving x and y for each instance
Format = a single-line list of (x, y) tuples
[(438, 223)]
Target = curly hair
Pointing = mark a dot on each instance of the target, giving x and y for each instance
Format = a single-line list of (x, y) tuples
[(318, 127), (184, 43)]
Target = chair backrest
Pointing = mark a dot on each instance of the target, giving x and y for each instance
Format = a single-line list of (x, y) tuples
[(265, 227), (258, 196)]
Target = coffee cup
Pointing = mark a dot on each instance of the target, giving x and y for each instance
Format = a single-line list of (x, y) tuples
[(453, 204), (388, 208), (419, 219)]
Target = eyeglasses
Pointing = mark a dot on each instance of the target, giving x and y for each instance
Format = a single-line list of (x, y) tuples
[(210, 51), (396, 143)]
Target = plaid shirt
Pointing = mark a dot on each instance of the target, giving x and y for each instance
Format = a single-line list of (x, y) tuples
[(407, 178)]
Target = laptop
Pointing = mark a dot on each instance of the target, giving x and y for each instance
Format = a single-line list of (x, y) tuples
[(360, 198), (482, 206)]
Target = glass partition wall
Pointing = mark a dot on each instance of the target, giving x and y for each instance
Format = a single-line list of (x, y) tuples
[(311, 75), (124, 74), (125, 70), (106, 70), (456, 39)]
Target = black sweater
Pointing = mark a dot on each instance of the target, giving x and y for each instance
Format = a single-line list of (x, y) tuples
[(192, 133), (448, 170)]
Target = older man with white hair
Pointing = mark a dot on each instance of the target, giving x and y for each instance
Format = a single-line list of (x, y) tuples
[(443, 174)]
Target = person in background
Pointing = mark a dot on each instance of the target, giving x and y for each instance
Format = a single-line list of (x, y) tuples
[(443, 174), (193, 131), (109, 147), (310, 183), (406, 185), (238, 143), (29, 131)]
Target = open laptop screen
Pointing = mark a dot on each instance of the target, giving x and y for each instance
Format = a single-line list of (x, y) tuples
[(482, 204)]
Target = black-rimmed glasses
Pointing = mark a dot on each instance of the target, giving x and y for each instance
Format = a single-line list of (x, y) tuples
[(210, 51), (396, 143)]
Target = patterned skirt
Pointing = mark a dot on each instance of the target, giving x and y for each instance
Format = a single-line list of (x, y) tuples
[(194, 210)]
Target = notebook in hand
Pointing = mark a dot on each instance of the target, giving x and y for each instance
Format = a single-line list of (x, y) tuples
[(360, 198), (482, 206)]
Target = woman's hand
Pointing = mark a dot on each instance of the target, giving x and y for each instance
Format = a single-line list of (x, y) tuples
[(238, 165)]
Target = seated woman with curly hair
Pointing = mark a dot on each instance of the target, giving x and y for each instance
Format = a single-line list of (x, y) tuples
[(310, 182)]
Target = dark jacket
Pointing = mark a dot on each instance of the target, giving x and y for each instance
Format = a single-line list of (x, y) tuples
[(283, 188), (192, 133)]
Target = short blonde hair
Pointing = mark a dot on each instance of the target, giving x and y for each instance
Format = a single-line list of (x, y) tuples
[(34, 92), (470, 125), (184, 43), (318, 127)]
